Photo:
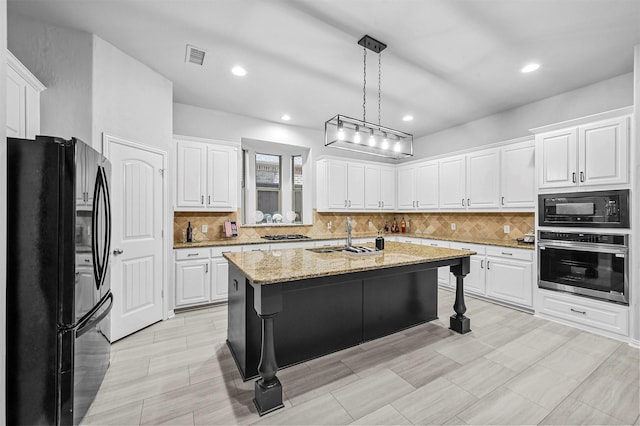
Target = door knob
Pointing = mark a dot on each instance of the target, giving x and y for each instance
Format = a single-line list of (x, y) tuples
[(117, 251)]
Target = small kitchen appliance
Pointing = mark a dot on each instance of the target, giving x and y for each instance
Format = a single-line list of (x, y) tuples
[(596, 209)]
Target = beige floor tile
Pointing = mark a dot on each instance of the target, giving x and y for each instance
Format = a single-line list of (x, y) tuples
[(480, 377), (497, 335), (128, 414), (185, 419), (543, 386), (571, 363), (366, 395), (237, 410), (542, 340), (503, 407), (220, 364), (206, 337), (334, 357), (434, 403), (175, 403), (421, 367), (324, 410), (185, 357), (454, 421), (126, 371), (573, 412), (515, 356), (613, 388), (386, 415), (464, 351), (593, 345), (181, 332), (140, 338), (370, 361), (138, 390), (151, 350), (310, 383)]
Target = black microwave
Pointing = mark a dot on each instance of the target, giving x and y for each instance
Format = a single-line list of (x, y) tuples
[(596, 209)]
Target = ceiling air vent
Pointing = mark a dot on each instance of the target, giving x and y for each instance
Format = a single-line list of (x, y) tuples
[(194, 55)]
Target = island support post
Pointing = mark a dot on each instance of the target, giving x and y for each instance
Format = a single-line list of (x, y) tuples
[(268, 389), (458, 322)]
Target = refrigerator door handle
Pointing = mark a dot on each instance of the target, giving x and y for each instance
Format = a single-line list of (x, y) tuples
[(101, 201), (88, 322)]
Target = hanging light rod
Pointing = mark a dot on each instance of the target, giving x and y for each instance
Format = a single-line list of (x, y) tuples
[(348, 133), (372, 44)]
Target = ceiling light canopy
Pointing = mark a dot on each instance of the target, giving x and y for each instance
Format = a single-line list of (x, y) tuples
[(530, 68), (407, 117), (345, 132), (286, 117), (239, 71)]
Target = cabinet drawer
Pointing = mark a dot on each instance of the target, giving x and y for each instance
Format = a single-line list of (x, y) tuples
[(592, 313), (436, 243), (479, 249), (510, 253), (83, 259), (219, 251), (194, 253)]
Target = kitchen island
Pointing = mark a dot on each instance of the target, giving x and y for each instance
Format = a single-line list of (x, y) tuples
[(293, 305)]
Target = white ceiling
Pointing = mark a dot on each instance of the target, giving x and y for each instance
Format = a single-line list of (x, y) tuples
[(447, 62)]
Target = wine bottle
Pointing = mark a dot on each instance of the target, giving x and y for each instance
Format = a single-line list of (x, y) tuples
[(189, 233)]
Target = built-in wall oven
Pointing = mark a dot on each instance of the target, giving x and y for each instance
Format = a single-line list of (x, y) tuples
[(590, 264)]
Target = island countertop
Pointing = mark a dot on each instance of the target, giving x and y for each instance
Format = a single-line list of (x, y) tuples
[(267, 267)]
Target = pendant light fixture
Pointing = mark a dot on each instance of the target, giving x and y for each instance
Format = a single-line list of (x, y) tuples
[(345, 132)]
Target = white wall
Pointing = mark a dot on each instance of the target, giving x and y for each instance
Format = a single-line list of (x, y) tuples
[(61, 59), (3, 204), (635, 218), (603, 96)]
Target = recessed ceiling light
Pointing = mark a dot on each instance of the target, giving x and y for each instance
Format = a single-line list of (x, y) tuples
[(407, 118), (530, 67), (239, 71), (286, 117)]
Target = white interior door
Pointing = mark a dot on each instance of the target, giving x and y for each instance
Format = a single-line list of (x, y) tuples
[(137, 278)]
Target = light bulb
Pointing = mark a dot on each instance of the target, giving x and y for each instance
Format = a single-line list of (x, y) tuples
[(396, 147), (372, 139), (385, 142), (340, 131), (356, 136)]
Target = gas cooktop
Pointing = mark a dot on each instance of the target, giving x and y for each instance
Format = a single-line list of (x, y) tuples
[(285, 237)]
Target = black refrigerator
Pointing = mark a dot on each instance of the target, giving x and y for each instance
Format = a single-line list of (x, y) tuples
[(58, 283)]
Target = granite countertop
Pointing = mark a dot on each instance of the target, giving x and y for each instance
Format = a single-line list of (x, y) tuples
[(235, 241), (267, 267)]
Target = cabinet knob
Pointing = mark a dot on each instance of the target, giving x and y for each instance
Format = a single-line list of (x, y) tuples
[(502, 201), (202, 199), (581, 176), (573, 177)]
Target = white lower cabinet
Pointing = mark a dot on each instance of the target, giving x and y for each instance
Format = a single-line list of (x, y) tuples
[(219, 279), (475, 281), (443, 271), (509, 275), (584, 312), (192, 282)]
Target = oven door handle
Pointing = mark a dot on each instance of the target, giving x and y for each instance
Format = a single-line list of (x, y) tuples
[(595, 248)]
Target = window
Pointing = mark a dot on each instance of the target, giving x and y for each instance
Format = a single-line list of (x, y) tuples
[(268, 186), (297, 182), (274, 179)]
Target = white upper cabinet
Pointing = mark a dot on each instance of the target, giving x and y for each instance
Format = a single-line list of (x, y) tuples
[(355, 186), (517, 175), (452, 183), (207, 176), (593, 154), (483, 179), (23, 100), (379, 187), (418, 186)]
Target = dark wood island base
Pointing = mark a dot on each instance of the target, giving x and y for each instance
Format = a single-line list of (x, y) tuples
[(284, 323)]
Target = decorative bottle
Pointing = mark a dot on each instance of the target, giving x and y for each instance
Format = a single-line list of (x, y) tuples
[(189, 233), (403, 225)]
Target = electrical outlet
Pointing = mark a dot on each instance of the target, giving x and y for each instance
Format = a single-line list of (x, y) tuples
[(453, 226), (329, 225), (205, 228), (370, 223), (507, 229), (408, 224)]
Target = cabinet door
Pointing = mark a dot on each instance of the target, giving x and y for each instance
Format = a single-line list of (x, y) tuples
[(483, 179), (444, 274), (517, 177), (219, 279), (372, 200), (427, 186), (510, 280), (336, 181), (557, 159), (474, 282), (603, 152), (81, 177), (355, 186), (16, 105), (388, 188), (191, 174), (406, 188), (193, 284), (221, 177), (452, 183)]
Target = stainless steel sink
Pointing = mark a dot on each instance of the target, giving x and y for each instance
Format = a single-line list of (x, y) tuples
[(328, 249)]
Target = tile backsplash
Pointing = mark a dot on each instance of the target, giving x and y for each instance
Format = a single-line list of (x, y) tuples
[(469, 225)]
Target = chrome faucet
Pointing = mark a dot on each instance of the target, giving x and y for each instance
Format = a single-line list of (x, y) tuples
[(348, 231)]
